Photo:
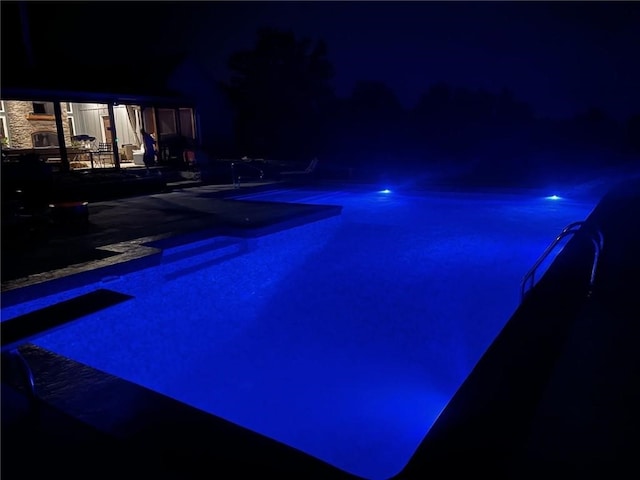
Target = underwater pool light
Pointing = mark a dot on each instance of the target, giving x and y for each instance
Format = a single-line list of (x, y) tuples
[(386, 190), (553, 197)]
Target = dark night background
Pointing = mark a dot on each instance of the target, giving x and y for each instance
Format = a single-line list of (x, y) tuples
[(488, 84)]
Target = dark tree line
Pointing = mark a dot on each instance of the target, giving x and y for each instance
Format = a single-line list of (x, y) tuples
[(285, 107), (280, 91)]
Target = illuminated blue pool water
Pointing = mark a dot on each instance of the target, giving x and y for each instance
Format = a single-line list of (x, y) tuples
[(344, 338)]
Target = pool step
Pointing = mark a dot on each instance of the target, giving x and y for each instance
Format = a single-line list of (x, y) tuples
[(205, 246), (202, 254), (23, 329), (289, 196)]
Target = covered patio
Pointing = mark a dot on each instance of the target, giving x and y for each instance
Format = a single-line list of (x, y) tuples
[(74, 130)]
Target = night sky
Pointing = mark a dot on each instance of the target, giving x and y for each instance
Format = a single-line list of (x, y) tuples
[(560, 57)]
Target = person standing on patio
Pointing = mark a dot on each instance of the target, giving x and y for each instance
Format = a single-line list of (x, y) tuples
[(149, 156)]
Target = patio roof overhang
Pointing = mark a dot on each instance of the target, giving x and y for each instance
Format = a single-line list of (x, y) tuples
[(93, 97)]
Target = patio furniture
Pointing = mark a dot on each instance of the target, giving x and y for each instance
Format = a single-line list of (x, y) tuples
[(103, 154), (310, 168), (70, 213), (128, 152)]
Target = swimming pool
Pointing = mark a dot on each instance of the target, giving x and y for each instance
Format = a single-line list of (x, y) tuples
[(344, 338)]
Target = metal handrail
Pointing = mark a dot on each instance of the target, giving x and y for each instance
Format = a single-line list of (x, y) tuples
[(26, 370), (571, 229)]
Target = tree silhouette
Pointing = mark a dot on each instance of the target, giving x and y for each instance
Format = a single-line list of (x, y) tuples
[(375, 120), (280, 91), (632, 134)]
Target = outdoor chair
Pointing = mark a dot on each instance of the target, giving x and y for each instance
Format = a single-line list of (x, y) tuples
[(104, 152), (307, 171)]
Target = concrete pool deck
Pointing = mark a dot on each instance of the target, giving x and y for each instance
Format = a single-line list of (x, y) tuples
[(119, 230), (556, 394)]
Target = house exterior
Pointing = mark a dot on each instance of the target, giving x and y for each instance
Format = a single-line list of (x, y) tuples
[(66, 107), (72, 129), (193, 82), (58, 89)]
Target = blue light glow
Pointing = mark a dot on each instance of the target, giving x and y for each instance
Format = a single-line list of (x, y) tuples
[(553, 197), (349, 331)]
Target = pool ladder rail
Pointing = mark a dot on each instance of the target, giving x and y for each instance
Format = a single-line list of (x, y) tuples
[(528, 281)]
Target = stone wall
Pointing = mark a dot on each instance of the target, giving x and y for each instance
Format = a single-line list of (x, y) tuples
[(22, 123)]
